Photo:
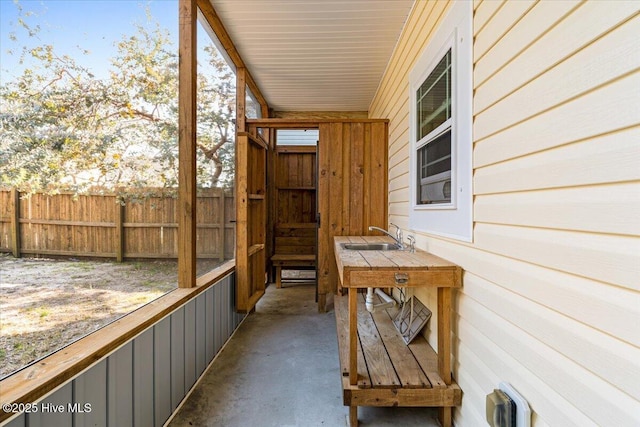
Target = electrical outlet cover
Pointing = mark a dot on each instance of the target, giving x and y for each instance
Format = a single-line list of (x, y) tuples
[(523, 412)]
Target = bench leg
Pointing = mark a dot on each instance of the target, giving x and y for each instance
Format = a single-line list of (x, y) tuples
[(444, 416), (322, 303), (278, 277), (353, 416)]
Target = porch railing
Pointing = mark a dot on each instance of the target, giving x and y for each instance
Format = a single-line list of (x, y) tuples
[(134, 371)]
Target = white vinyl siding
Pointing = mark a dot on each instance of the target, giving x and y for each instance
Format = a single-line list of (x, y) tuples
[(297, 137), (551, 297)]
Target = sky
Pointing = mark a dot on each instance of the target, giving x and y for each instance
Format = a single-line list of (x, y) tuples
[(94, 25)]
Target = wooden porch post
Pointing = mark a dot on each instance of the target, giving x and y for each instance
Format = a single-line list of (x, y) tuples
[(187, 86), (241, 98)]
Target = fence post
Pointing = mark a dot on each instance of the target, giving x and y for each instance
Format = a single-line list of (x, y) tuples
[(222, 223), (15, 222), (119, 229)]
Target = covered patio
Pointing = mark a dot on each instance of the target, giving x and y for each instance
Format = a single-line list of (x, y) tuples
[(280, 368), (534, 210)]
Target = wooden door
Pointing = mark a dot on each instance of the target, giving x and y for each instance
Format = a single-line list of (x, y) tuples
[(251, 218), (352, 189)]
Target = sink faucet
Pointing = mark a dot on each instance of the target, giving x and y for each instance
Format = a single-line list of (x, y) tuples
[(397, 237)]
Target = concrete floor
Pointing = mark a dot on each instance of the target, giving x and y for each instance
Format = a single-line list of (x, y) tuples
[(281, 369)]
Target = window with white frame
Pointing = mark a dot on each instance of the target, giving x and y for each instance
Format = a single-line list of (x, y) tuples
[(433, 115), (441, 145)]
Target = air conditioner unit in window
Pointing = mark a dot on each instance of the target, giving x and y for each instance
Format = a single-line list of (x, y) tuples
[(436, 189)]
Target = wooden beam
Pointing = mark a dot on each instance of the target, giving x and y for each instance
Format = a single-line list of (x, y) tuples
[(320, 115), (444, 334), (242, 213), (353, 336), (241, 99), (305, 123), (187, 143), (218, 28)]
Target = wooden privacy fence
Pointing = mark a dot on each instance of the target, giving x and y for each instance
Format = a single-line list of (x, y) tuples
[(122, 225)]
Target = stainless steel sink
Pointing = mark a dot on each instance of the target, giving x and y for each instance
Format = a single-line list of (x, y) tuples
[(371, 246)]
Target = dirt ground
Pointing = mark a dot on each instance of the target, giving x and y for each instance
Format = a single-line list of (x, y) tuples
[(48, 303)]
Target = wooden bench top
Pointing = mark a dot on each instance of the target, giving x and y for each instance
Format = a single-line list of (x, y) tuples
[(370, 268)]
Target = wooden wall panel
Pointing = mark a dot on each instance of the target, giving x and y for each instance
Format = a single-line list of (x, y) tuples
[(251, 208), (352, 187), (6, 220), (324, 262)]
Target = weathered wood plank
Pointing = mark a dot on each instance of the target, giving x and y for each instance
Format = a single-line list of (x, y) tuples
[(346, 179), (444, 334), (410, 397), (325, 244), (333, 192), (341, 307), (381, 370), (353, 336), (241, 96), (15, 222), (377, 172), (284, 123), (188, 69), (356, 179), (407, 368), (428, 361), (119, 232), (341, 304)]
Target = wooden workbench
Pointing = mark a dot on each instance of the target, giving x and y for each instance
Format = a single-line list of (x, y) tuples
[(398, 375)]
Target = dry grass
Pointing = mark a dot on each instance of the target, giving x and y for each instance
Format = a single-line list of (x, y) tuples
[(46, 304)]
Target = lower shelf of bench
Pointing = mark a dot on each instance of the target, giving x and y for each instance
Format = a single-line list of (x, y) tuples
[(417, 397), (390, 373)]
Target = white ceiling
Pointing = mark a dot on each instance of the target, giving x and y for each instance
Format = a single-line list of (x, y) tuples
[(315, 55)]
